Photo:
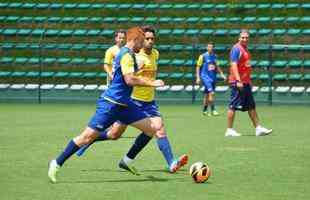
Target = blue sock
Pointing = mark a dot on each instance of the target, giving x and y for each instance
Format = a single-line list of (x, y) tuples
[(67, 153), (165, 148), (141, 141), (103, 135)]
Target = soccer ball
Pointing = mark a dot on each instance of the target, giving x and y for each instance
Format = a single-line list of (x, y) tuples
[(200, 172)]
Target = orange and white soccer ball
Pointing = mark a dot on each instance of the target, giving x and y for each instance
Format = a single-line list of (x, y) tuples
[(200, 172)]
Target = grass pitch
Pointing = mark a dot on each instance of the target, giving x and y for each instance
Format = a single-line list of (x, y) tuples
[(248, 167)]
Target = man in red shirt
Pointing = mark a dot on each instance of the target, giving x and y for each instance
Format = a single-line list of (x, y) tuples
[(241, 88)]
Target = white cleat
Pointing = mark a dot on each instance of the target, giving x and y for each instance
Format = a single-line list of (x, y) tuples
[(261, 131), (53, 168), (232, 133)]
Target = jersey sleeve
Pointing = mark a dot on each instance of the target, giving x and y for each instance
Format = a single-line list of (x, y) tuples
[(127, 64), (199, 61), (108, 58), (235, 55), (156, 55)]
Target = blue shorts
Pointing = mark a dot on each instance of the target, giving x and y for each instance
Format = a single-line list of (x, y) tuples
[(150, 109), (242, 100), (208, 84), (107, 113)]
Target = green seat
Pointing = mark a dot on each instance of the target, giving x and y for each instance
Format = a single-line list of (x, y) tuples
[(54, 19), (47, 74), (220, 20), (50, 46), (306, 32), (18, 74), (192, 19), (5, 74), (254, 76), (263, 20), (223, 62), (15, 5), (28, 5), (78, 46), (263, 5), (92, 61), (95, 19), (277, 6), (189, 76), (40, 19), (306, 63), (75, 75), (280, 77), (220, 47), (122, 19), (263, 77), (207, 6), (249, 6), (12, 19), (263, 47), (107, 32), (79, 32), (263, 63), (292, 6), (151, 20), (67, 20), (179, 6), (102, 75), (254, 63), (295, 77), (163, 62), (21, 60), (280, 64), (206, 32), (279, 31), (42, 5), (111, 6), (61, 74), (292, 20), (7, 46), (234, 19), (278, 19), (162, 75), (22, 46), (207, 20), (295, 64), (177, 47), (163, 47), (249, 20), (65, 32), (3, 5), (6, 60), (25, 19), (125, 6), (32, 74), (81, 19), (221, 6), (38, 32), (49, 60), (293, 31), (137, 19), (89, 75), (83, 6), (163, 32), (234, 32), (93, 32), (138, 6), (77, 61), (294, 47), (306, 77), (264, 32), (193, 6), (177, 20), (51, 32), (220, 32), (63, 60), (305, 19), (9, 32), (165, 6), (177, 62), (305, 6), (70, 5), (93, 47), (34, 60), (151, 6), (64, 47), (176, 75), (191, 32), (56, 5)]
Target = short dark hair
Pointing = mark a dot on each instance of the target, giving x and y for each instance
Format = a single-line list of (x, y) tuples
[(119, 31), (148, 28), (210, 42)]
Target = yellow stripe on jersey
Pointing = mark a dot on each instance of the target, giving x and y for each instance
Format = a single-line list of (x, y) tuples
[(127, 64), (199, 61), (148, 71)]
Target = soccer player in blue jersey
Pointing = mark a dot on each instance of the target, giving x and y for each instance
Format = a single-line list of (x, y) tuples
[(144, 98), (115, 103), (206, 70)]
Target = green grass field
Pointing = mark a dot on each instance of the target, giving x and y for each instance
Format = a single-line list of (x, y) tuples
[(248, 167)]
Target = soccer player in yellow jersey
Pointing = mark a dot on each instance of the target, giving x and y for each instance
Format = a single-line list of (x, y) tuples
[(144, 98), (111, 52)]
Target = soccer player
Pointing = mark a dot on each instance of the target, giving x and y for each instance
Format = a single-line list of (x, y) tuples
[(241, 90), (206, 70), (115, 103), (111, 52), (144, 99)]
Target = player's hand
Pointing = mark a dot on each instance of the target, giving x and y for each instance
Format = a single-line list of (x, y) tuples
[(239, 85), (198, 81), (158, 83)]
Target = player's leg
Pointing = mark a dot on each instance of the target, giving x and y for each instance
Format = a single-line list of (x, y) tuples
[(234, 104), (86, 137), (113, 133), (165, 147), (205, 104)]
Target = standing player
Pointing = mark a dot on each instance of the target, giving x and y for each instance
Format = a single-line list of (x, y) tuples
[(144, 99), (241, 89), (111, 52), (206, 70), (115, 103)]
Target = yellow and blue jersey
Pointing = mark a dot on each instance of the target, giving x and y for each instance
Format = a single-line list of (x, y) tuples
[(148, 71), (110, 54), (124, 63), (207, 64)]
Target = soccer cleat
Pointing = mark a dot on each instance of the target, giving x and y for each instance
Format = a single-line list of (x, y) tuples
[(177, 164), (206, 113), (261, 131), (53, 168), (215, 113), (82, 150), (129, 168), (232, 133)]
